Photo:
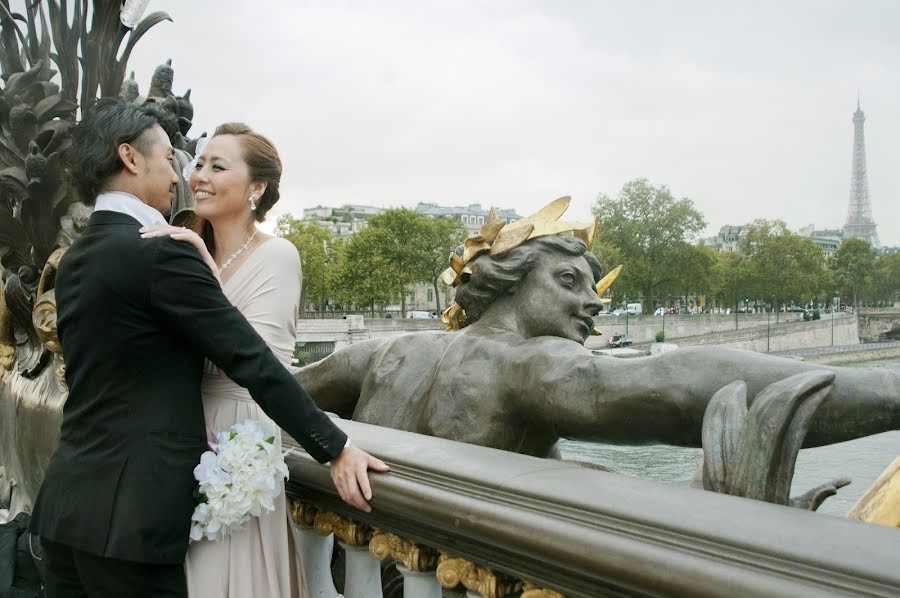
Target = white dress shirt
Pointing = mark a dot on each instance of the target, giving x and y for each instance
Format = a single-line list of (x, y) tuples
[(126, 203)]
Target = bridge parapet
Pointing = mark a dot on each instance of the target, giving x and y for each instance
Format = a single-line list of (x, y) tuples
[(502, 523), (879, 325)]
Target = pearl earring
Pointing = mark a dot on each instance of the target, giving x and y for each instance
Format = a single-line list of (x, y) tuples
[(253, 203)]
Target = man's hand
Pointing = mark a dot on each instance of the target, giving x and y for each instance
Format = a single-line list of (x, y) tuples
[(349, 472)]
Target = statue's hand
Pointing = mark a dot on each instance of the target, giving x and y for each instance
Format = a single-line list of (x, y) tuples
[(813, 499)]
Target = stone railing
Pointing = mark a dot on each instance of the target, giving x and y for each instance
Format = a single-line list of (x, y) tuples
[(494, 523)]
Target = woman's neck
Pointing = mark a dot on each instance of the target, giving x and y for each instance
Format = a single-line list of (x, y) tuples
[(229, 235)]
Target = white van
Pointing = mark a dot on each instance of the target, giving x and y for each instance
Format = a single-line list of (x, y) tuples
[(634, 309), (419, 315)]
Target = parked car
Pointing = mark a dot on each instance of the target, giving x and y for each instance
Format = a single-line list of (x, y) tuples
[(619, 340), (419, 315), (634, 309), (660, 311), (618, 312)]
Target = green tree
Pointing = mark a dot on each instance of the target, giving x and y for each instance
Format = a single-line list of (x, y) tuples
[(886, 278), (699, 272), (648, 228), (397, 249), (853, 266), (315, 245), (439, 238), (362, 277), (782, 265)]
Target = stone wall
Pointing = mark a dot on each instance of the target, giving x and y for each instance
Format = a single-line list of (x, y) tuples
[(879, 325), (784, 337), (754, 331), (643, 329)]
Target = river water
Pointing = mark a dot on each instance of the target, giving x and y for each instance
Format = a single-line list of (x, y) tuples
[(861, 460)]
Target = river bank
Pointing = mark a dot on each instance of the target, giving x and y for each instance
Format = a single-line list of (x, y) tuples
[(851, 357)]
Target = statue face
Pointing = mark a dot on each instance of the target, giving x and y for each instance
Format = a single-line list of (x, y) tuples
[(557, 298)]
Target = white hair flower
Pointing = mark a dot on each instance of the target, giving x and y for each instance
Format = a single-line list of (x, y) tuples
[(190, 166)]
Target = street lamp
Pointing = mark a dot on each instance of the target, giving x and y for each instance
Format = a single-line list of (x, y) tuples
[(834, 296)]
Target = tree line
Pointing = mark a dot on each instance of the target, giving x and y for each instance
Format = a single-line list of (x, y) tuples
[(653, 234), (377, 265), (644, 227)]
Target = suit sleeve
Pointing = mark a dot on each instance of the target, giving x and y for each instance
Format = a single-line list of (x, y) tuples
[(189, 301)]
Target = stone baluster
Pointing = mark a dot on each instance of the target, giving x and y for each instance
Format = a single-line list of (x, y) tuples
[(416, 563), (362, 577), (315, 551)]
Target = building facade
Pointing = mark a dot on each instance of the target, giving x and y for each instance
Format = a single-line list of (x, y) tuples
[(344, 221), (473, 215), (728, 239)]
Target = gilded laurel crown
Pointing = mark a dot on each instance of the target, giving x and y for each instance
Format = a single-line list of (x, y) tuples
[(497, 237)]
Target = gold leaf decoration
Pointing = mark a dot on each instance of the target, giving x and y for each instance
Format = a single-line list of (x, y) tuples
[(350, 532)]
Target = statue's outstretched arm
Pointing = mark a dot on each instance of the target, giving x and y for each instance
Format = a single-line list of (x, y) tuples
[(335, 382), (662, 399)]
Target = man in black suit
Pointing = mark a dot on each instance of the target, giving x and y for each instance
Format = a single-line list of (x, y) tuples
[(135, 319)]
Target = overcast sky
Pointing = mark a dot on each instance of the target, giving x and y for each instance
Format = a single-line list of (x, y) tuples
[(744, 107)]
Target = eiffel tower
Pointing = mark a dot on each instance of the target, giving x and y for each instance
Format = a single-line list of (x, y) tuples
[(860, 224)]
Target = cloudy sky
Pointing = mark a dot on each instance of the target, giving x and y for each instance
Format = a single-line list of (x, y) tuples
[(744, 107)]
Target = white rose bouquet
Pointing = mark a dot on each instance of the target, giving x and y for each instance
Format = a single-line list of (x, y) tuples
[(238, 479)]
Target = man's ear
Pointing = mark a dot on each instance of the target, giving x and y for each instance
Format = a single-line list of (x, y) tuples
[(129, 157)]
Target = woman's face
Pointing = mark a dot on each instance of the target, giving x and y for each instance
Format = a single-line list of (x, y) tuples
[(221, 182)]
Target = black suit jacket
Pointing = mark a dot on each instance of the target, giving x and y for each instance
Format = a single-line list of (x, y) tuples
[(136, 318)]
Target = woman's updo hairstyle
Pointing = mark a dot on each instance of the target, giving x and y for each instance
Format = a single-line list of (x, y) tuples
[(262, 160)]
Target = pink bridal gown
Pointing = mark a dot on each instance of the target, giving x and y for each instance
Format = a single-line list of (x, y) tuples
[(263, 558)]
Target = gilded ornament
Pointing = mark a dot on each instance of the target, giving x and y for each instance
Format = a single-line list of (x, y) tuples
[(303, 513), (350, 532), (881, 502), (410, 555), (604, 284), (43, 316), (532, 591), (453, 571), (7, 339)]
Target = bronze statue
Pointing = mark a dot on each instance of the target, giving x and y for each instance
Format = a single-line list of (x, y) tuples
[(61, 60), (516, 376)]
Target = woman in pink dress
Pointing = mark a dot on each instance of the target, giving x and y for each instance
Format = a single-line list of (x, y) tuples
[(234, 183)]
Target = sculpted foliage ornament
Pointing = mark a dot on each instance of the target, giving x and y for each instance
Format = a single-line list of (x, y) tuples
[(350, 532), (409, 554), (54, 60), (452, 572), (40, 213)]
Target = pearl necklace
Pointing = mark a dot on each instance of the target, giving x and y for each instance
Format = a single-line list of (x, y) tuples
[(238, 252)]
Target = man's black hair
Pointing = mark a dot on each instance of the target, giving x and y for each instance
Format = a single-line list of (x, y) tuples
[(106, 125)]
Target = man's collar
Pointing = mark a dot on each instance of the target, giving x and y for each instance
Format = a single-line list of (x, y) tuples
[(126, 203)]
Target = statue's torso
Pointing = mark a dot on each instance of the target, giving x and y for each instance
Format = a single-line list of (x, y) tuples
[(453, 385)]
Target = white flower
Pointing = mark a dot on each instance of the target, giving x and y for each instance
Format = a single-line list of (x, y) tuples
[(239, 479)]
